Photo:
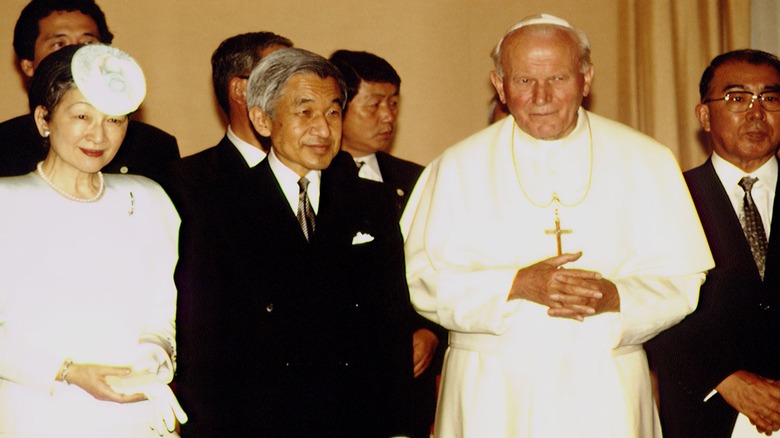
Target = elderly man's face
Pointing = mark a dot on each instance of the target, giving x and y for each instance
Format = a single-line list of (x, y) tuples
[(542, 84), (305, 131), (748, 139)]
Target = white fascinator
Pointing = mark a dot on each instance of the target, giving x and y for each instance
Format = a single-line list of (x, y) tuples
[(109, 79)]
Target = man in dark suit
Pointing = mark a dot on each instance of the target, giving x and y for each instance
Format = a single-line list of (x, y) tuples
[(724, 358), (284, 327), (241, 147), (43, 27), (373, 88)]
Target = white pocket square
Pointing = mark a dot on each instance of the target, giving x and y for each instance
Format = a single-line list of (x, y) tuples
[(362, 238)]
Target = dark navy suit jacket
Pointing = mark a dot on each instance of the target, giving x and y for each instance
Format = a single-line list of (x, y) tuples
[(735, 326), (283, 337)]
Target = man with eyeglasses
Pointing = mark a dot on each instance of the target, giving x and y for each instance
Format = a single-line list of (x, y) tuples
[(717, 369)]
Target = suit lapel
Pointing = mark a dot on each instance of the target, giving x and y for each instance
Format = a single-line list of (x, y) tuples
[(263, 208), (227, 158), (336, 211), (721, 223)]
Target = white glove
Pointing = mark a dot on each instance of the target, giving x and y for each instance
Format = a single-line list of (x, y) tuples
[(153, 359), (165, 408)]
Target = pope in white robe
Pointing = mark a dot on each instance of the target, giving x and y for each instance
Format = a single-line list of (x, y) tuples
[(511, 370), (551, 245)]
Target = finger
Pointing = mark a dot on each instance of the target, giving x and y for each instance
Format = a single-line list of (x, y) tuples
[(566, 300), (422, 365), (157, 419), (418, 369), (170, 419), (562, 259), (575, 295), (566, 274), (132, 398), (587, 279), (565, 313), (114, 371), (581, 310), (419, 360), (762, 424), (175, 407)]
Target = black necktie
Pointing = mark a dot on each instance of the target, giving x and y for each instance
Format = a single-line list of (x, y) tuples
[(305, 213), (753, 226)]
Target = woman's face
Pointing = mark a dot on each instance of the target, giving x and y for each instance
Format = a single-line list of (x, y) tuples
[(80, 135)]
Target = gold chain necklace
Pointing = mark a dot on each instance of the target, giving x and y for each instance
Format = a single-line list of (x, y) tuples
[(555, 198), (557, 231)]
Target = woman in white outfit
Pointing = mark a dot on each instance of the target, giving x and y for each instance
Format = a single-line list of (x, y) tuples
[(87, 299)]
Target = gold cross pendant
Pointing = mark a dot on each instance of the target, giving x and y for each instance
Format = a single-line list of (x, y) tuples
[(558, 231)]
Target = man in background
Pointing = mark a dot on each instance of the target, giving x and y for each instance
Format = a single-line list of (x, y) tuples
[(43, 27), (373, 100), (719, 367), (373, 93), (241, 147)]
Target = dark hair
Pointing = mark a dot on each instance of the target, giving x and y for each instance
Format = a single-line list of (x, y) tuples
[(27, 29), (363, 66), (236, 56), (52, 79), (749, 56)]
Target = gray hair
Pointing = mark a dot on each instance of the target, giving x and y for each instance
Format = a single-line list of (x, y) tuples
[(272, 73), (546, 29)]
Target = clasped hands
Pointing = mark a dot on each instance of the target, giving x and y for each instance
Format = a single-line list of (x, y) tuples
[(756, 397), (153, 371), (568, 293)]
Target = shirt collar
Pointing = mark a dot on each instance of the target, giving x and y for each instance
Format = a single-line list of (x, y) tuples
[(730, 174), (252, 155), (370, 168), (288, 181)]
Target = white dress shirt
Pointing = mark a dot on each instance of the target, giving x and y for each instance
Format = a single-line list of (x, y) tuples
[(763, 190), (288, 181), (252, 155), (370, 168)]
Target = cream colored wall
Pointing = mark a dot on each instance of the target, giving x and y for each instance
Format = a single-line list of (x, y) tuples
[(439, 47)]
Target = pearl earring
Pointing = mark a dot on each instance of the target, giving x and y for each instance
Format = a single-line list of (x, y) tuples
[(46, 133)]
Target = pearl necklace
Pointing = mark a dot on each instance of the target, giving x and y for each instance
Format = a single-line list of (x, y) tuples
[(39, 171)]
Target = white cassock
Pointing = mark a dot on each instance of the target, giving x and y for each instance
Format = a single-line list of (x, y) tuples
[(476, 218)]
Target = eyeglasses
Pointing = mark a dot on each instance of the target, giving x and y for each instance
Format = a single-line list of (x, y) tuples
[(741, 101)]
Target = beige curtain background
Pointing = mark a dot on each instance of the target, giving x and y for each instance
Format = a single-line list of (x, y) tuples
[(665, 47)]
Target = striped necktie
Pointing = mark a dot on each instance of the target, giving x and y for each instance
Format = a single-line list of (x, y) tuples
[(305, 213)]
